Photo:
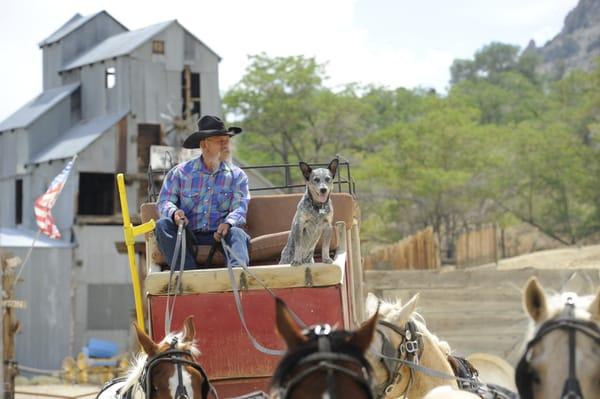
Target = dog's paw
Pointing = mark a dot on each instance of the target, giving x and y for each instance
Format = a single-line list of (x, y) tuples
[(296, 263), (327, 260)]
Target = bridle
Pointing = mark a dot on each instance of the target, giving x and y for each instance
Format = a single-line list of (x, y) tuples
[(568, 322), (324, 350), (408, 354), (409, 349), (179, 358)]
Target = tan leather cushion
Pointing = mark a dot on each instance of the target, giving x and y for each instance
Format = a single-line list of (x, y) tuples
[(272, 213), (201, 256), (268, 223)]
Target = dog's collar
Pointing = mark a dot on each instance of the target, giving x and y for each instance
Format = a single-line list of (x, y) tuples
[(319, 207)]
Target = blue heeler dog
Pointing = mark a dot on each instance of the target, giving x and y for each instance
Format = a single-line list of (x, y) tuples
[(313, 217)]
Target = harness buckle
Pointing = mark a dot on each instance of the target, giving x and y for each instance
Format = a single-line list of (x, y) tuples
[(411, 346), (322, 329), (388, 390)]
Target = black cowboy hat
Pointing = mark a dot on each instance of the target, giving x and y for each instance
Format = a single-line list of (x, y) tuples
[(208, 126)]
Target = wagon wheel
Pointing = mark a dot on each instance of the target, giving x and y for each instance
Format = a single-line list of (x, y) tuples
[(82, 368), (69, 369)]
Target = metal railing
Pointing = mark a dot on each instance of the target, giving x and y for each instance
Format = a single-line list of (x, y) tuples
[(343, 184)]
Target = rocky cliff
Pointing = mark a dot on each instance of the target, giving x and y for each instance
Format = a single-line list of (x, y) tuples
[(577, 46)]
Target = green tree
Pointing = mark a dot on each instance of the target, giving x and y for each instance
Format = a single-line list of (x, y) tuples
[(425, 172), (542, 180), (487, 63)]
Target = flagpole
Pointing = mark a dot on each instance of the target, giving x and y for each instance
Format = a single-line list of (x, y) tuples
[(37, 235)]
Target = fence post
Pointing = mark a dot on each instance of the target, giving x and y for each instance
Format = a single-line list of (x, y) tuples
[(9, 328)]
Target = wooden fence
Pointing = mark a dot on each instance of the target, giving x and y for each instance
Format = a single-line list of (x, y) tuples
[(419, 251), (477, 247), (476, 310), (489, 244)]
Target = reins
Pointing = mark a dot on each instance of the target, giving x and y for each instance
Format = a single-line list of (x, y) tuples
[(180, 244), (238, 302)]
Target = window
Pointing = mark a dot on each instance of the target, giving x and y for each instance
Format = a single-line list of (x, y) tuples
[(158, 47), (19, 201), (110, 78), (76, 105), (190, 91), (96, 194), (110, 306)]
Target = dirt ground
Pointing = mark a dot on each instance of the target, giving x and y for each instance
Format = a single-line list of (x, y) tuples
[(56, 391), (587, 257)]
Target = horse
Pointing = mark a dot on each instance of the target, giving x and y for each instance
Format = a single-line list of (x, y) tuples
[(320, 362), (562, 355), (492, 369), (164, 370), (410, 361), (402, 334)]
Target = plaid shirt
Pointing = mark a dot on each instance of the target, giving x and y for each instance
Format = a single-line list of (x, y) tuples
[(207, 198)]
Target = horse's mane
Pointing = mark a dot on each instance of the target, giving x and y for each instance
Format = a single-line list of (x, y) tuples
[(389, 309), (139, 361)]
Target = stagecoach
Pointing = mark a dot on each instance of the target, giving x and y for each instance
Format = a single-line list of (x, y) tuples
[(316, 293)]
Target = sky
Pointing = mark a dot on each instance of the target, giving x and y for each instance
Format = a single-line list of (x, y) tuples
[(394, 43)]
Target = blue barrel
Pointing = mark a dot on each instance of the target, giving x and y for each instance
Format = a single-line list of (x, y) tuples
[(101, 348)]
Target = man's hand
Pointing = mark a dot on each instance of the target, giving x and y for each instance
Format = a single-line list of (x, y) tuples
[(180, 215), (222, 231)]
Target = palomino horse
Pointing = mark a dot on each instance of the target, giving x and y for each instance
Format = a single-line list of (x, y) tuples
[(166, 370), (493, 370), (321, 363), (409, 361), (562, 358), (402, 334)]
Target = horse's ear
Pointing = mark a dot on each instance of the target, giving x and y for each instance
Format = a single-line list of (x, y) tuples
[(594, 308), (534, 300), (287, 326), (362, 337), (372, 304), (189, 331), (145, 341), (407, 310), (306, 170)]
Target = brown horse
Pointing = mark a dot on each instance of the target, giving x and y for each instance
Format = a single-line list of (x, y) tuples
[(165, 370), (321, 363), (562, 358)]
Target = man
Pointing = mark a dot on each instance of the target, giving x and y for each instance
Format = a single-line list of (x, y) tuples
[(209, 194)]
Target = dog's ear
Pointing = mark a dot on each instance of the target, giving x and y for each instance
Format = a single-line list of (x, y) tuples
[(306, 170), (333, 165)]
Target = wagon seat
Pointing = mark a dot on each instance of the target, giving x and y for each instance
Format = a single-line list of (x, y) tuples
[(268, 223)]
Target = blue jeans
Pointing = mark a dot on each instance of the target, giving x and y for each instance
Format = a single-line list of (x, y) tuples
[(166, 237)]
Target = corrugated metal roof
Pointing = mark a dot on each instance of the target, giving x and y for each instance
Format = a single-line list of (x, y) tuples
[(76, 21), (20, 237), (76, 139), (120, 44), (71, 25), (37, 107)]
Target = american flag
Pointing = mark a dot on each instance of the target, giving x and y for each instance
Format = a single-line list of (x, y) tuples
[(46, 201)]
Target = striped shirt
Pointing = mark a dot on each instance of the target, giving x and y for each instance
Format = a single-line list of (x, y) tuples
[(207, 198)]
